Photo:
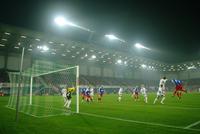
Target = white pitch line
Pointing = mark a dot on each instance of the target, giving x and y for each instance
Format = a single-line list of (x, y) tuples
[(169, 107), (115, 118), (192, 125), (138, 122), (43, 116), (53, 115), (24, 112)]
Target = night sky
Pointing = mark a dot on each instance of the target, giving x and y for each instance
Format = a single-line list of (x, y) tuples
[(171, 28)]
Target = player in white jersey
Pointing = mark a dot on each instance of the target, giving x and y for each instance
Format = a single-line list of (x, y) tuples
[(64, 94), (163, 82), (160, 94), (120, 94), (91, 93), (143, 91)]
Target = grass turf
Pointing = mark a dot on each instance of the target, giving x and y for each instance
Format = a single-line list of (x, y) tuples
[(109, 116)]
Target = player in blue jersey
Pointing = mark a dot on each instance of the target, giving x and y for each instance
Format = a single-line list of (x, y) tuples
[(178, 88), (87, 95), (83, 93), (100, 93)]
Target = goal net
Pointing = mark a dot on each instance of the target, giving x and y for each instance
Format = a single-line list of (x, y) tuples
[(41, 92)]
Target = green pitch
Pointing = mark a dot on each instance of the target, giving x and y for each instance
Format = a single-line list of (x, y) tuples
[(106, 117)]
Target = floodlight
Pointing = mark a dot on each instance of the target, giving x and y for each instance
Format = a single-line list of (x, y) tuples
[(112, 37), (43, 48), (138, 45), (119, 61), (93, 56), (191, 67), (143, 66), (60, 21)]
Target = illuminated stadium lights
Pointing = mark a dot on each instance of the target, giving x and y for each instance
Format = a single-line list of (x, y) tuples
[(139, 46), (143, 66), (68, 51), (113, 37), (119, 61), (37, 39), (50, 42), (19, 43), (125, 62), (1, 45), (16, 47), (110, 36), (61, 21), (93, 56), (73, 56), (7, 33), (23, 36), (53, 53), (63, 54), (29, 49), (191, 67), (43, 48), (4, 39), (86, 55), (62, 44)]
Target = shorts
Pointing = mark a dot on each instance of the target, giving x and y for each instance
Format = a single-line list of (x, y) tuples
[(160, 93)]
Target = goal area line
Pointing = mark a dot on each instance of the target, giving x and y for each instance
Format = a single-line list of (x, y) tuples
[(110, 118), (42, 116)]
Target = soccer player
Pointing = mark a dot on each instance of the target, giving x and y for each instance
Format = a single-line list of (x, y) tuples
[(160, 94), (178, 88), (64, 93), (91, 93), (143, 91), (120, 94), (68, 100), (83, 95), (136, 91), (100, 93), (87, 93), (163, 82)]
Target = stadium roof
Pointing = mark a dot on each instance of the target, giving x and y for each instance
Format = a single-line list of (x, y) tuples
[(12, 39), (170, 28)]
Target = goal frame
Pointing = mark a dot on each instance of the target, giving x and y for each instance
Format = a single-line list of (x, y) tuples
[(77, 84)]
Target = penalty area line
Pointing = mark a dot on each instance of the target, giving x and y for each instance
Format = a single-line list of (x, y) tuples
[(192, 125), (138, 122)]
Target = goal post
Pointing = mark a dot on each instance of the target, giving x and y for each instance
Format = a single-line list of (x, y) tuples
[(41, 93), (77, 89)]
